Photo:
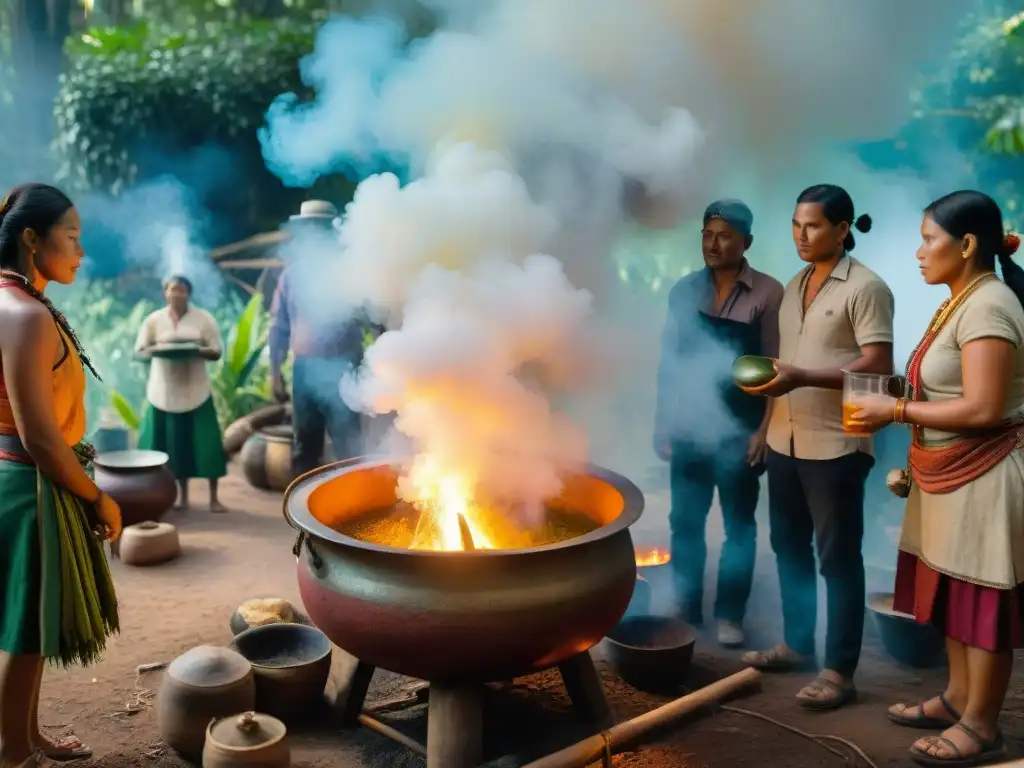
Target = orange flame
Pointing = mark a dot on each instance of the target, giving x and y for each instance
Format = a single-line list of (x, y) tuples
[(651, 557)]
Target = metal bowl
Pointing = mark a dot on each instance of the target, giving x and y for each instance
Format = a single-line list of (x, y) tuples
[(136, 458), (176, 350), (652, 652), (461, 616), (920, 646)]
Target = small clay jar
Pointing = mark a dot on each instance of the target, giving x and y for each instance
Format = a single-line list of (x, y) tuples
[(202, 684), (246, 740), (149, 543)]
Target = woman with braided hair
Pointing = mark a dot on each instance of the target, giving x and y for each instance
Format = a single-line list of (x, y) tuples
[(961, 559), (57, 600)]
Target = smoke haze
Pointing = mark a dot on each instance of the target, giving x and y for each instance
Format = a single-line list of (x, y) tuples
[(529, 126)]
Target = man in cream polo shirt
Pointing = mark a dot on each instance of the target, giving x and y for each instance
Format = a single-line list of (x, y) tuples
[(836, 315)]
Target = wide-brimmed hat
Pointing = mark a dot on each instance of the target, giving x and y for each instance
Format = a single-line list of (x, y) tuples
[(316, 210)]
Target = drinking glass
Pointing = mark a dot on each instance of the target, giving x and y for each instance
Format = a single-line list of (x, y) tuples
[(857, 385)]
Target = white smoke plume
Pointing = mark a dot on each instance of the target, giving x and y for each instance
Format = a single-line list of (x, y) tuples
[(525, 124)]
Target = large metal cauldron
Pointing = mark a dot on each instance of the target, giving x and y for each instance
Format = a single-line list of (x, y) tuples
[(461, 616)]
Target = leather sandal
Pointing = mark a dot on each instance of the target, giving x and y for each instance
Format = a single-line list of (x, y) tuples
[(841, 695), (993, 751), (777, 660), (923, 721), (64, 750)]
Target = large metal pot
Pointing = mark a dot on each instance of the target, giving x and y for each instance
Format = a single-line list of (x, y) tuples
[(461, 616), (139, 481)]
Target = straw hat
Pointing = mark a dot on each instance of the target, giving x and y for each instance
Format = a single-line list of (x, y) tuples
[(316, 210)]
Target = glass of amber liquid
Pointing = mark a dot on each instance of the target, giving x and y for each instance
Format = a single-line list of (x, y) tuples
[(856, 386)]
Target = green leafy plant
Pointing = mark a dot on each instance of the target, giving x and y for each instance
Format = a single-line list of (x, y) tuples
[(128, 413), (133, 94), (241, 381)]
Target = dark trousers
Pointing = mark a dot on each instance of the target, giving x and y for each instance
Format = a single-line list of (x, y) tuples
[(317, 408), (694, 478), (820, 503)]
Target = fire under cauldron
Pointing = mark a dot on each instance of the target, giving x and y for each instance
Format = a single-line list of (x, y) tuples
[(459, 619)]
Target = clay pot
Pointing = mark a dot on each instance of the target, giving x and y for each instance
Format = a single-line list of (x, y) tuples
[(202, 684), (244, 428), (139, 481), (291, 663), (246, 740), (267, 458), (149, 543)]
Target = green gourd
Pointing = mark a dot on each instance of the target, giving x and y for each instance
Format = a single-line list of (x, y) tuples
[(750, 371)]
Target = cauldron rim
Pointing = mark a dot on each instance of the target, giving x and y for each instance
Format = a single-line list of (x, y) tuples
[(296, 511)]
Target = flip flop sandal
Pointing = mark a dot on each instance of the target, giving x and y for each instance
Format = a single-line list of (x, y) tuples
[(773, 661), (67, 749), (991, 751), (843, 695), (923, 721)]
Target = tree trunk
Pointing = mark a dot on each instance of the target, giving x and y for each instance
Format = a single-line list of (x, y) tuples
[(38, 31)]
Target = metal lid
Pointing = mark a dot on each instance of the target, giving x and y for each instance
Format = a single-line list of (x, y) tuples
[(209, 666), (249, 730)]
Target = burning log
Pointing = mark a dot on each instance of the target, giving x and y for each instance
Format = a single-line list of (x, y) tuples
[(467, 535), (613, 740)]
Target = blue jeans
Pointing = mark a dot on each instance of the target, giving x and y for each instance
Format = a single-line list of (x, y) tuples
[(694, 478), (317, 408)]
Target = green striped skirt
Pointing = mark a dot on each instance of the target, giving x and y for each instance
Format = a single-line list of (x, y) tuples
[(191, 439), (56, 595)]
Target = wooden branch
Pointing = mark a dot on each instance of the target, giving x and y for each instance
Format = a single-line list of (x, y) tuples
[(585, 752), (264, 240)]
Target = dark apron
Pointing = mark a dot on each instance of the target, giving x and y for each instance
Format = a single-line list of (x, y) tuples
[(740, 339)]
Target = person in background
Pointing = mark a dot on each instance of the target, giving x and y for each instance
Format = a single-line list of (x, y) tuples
[(324, 338), (180, 417), (52, 516), (961, 555), (737, 307), (836, 316)]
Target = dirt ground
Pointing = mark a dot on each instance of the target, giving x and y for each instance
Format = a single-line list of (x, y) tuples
[(247, 553)]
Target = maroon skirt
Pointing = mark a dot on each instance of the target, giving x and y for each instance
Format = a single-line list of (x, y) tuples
[(982, 617)]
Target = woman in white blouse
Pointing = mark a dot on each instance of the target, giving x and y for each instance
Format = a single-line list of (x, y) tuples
[(180, 417)]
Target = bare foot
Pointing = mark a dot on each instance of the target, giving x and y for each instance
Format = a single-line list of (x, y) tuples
[(216, 506)]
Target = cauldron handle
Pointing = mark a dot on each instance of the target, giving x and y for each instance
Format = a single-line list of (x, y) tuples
[(314, 557)]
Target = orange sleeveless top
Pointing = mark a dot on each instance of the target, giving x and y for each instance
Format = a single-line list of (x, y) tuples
[(68, 393)]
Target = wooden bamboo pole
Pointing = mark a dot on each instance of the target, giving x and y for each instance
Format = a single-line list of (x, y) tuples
[(604, 744), (386, 730)]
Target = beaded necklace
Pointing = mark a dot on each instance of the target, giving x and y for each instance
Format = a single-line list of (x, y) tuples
[(938, 322), (23, 282)]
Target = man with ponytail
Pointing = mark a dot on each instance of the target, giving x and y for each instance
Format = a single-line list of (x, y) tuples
[(961, 550), (836, 315), (58, 598)]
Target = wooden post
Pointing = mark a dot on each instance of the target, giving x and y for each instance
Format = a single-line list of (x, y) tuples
[(455, 726), (586, 691), (347, 687)]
